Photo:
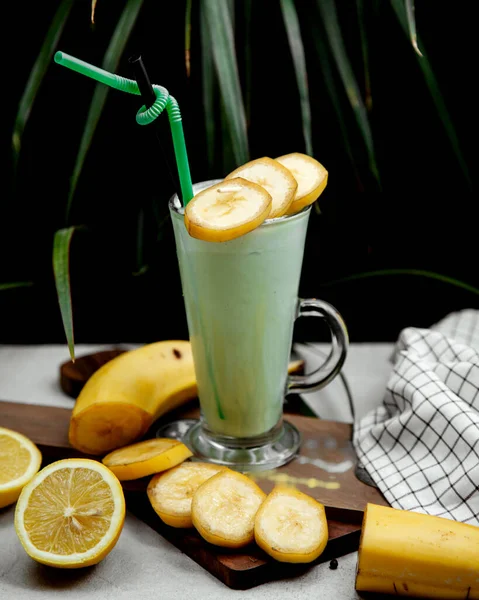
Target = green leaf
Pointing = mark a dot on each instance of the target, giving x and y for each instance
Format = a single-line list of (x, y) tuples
[(208, 89), (188, 37), (414, 272), (93, 8), (435, 92), (411, 21), (248, 23), (368, 101), (331, 87), (219, 23), (161, 220), (15, 284), (231, 10), (329, 15), (61, 271), (227, 153), (110, 63), (37, 74), (293, 32), (141, 266)]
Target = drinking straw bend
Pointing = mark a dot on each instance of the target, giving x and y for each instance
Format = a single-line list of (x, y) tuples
[(144, 116), (149, 98)]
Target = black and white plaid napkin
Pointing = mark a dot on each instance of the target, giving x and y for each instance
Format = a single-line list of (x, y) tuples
[(421, 446)]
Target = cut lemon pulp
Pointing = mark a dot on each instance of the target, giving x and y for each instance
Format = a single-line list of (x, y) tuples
[(227, 210), (20, 459), (224, 508), (145, 458), (291, 526), (311, 176), (274, 178), (171, 493), (70, 514)]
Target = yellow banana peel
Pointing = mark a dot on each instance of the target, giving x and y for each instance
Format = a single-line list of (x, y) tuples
[(410, 554), (125, 396)]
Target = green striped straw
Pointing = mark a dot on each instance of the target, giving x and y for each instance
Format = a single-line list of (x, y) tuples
[(144, 116)]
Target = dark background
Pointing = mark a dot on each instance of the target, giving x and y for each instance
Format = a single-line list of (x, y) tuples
[(423, 217)]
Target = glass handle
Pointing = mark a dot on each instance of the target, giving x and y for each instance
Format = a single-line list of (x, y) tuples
[(339, 340)]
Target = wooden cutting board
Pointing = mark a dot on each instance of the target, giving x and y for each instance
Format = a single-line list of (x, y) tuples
[(325, 469)]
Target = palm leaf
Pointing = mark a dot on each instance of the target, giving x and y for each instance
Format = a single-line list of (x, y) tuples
[(332, 89), (93, 8), (231, 10), (219, 23), (293, 32), (188, 37), (37, 74), (411, 21), (368, 101), (415, 272), (141, 266), (15, 284), (227, 153), (436, 95), (161, 219), (208, 88), (329, 15), (110, 63), (248, 12), (61, 271)]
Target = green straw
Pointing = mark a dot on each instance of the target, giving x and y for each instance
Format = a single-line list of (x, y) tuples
[(144, 116)]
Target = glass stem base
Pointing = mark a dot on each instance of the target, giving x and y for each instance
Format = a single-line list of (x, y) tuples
[(269, 454)]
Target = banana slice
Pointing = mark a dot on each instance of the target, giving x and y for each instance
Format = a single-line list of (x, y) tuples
[(291, 526), (311, 176), (274, 178), (145, 458), (224, 508), (227, 210), (171, 493)]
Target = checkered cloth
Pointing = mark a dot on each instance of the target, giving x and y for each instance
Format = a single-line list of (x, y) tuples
[(421, 446)]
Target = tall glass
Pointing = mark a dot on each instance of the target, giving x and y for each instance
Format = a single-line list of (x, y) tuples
[(241, 303)]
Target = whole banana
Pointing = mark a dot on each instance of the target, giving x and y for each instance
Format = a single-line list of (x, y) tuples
[(125, 396)]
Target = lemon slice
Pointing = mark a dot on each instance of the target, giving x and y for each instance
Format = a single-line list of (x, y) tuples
[(291, 526), (274, 178), (171, 493), (311, 176), (224, 508), (20, 459), (145, 458), (70, 514), (227, 210)]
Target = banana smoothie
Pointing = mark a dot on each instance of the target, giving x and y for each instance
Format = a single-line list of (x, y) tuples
[(240, 299)]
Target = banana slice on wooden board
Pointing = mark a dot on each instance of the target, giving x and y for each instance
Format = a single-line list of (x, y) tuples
[(224, 509), (291, 526), (171, 493), (146, 458)]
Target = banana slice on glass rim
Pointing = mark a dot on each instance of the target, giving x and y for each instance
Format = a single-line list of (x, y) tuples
[(291, 526), (310, 175), (274, 178), (224, 509), (227, 210), (171, 492)]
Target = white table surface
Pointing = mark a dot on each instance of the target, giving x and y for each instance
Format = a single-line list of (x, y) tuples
[(143, 564)]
